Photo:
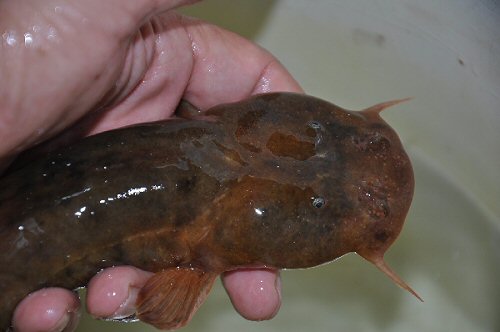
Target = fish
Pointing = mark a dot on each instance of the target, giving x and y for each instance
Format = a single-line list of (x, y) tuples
[(278, 180)]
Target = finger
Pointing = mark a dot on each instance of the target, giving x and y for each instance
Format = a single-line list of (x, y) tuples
[(49, 309), (255, 294), (200, 62), (112, 292), (228, 67)]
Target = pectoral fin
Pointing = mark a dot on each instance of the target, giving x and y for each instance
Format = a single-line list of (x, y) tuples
[(171, 297)]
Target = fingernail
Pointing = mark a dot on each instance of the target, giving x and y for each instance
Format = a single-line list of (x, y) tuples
[(126, 310), (68, 322)]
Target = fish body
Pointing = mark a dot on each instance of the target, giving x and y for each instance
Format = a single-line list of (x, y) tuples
[(278, 180)]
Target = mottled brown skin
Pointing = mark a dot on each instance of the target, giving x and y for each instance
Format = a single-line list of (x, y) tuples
[(280, 180)]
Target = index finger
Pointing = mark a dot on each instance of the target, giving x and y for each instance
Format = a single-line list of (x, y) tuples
[(228, 67)]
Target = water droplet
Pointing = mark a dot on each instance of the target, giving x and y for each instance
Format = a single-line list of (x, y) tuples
[(259, 211), (10, 38), (136, 191), (157, 187), (52, 34), (28, 39), (81, 211)]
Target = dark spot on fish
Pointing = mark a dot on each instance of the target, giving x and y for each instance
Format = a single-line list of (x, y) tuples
[(381, 236), (186, 185), (248, 121)]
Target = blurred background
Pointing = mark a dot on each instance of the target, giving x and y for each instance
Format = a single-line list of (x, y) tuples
[(445, 54)]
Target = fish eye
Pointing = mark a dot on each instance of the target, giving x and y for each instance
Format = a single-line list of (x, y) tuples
[(314, 125), (318, 202)]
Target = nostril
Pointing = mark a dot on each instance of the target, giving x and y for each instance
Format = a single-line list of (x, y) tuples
[(318, 202)]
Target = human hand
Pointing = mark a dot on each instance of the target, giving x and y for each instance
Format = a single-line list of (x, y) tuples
[(78, 68)]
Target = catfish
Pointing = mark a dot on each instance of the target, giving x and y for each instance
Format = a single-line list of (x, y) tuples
[(279, 180)]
